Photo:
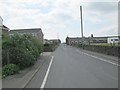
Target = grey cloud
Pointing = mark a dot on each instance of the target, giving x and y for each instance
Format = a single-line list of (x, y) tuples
[(103, 6)]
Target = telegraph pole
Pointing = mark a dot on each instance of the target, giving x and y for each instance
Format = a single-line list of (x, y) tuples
[(81, 24)]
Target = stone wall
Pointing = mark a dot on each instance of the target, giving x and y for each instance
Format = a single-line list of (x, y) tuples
[(109, 50)]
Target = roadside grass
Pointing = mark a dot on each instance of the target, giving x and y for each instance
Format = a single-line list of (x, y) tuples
[(106, 44)]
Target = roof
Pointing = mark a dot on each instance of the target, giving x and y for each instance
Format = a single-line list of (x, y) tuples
[(32, 30), (74, 37), (5, 28), (113, 36), (1, 18), (91, 37), (54, 39)]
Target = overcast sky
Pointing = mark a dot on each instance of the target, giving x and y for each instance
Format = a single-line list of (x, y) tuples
[(62, 17)]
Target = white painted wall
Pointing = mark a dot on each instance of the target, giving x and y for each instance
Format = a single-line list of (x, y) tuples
[(1, 21), (113, 40)]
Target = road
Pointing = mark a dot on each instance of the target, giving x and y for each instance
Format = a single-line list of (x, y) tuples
[(73, 69)]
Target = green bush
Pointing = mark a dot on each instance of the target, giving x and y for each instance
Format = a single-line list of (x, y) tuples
[(6, 45), (9, 69), (50, 47), (22, 50), (21, 57)]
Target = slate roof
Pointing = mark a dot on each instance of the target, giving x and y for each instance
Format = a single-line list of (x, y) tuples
[(32, 30)]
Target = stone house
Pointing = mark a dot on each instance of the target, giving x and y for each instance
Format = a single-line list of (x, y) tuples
[(1, 21), (98, 39), (5, 29), (1, 24), (85, 40), (36, 32), (55, 41)]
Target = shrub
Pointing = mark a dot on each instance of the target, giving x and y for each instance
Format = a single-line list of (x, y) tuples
[(47, 48), (22, 50), (21, 57), (9, 69), (6, 44), (50, 47)]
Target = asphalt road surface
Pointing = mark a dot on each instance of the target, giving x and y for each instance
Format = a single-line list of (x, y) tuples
[(73, 69)]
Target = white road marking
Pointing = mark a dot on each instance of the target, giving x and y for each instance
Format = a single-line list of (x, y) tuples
[(46, 76), (98, 58)]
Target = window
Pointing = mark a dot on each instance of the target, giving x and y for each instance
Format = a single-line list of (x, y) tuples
[(116, 39), (72, 42)]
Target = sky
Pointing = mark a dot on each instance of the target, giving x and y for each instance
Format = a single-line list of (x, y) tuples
[(61, 18)]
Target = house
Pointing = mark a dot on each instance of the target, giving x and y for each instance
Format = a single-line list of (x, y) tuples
[(76, 40), (98, 39), (73, 40), (1, 24), (55, 41), (52, 41), (90, 40), (5, 29), (1, 21), (113, 39), (36, 32), (46, 41)]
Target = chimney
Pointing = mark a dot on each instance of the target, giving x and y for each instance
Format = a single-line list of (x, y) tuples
[(91, 35)]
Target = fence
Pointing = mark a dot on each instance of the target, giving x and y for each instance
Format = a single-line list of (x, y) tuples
[(109, 50)]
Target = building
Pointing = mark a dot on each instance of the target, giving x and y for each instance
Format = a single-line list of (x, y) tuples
[(1, 21), (113, 39), (98, 39), (52, 41), (72, 41), (1, 24), (91, 40), (76, 40), (55, 41), (46, 41), (36, 32), (5, 29)]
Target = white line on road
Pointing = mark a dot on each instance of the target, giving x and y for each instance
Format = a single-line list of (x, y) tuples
[(99, 58), (45, 78)]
